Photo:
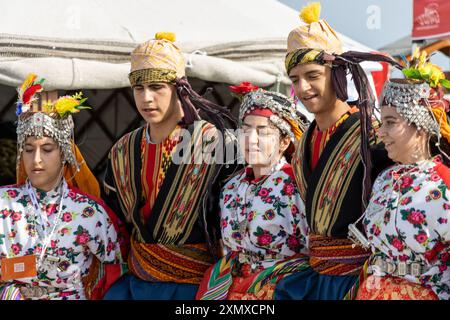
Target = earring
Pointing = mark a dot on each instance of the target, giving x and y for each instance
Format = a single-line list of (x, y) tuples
[(415, 155)]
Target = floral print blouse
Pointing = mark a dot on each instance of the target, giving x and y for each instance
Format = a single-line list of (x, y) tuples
[(408, 220), (264, 216), (83, 230)]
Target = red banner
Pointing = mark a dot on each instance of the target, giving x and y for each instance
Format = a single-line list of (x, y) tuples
[(431, 19)]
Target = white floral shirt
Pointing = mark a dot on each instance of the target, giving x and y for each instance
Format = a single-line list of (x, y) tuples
[(83, 230), (264, 216), (408, 220)]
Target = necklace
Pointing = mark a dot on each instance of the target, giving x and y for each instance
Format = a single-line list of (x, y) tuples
[(44, 235)]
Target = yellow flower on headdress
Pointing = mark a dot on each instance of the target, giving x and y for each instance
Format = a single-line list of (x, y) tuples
[(416, 53), (70, 104), (423, 58), (310, 13), (66, 104), (431, 73), (170, 36), (436, 75), (421, 69)]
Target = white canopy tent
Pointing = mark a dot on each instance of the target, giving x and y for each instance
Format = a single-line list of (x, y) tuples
[(85, 44)]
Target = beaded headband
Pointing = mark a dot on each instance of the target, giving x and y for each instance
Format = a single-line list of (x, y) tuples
[(410, 101), (286, 115), (417, 99)]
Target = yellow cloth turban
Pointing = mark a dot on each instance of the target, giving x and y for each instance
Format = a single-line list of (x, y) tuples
[(157, 60), (316, 34)]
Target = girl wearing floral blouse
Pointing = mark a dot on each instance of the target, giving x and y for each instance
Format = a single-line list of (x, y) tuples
[(55, 241), (407, 221), (262, 215)]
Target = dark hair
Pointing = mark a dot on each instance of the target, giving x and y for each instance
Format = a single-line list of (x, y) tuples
[(8, 156), (289, 152)]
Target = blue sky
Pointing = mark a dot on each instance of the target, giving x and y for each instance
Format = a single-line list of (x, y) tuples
[(374, 23)]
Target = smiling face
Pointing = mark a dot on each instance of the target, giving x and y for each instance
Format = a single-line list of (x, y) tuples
[(313, 86), (157, 102), (42, 160), (401, 140), (261, 143)]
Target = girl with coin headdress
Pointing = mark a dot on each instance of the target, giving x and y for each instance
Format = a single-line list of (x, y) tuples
[(56, 241), (407, 221), (262, 215)]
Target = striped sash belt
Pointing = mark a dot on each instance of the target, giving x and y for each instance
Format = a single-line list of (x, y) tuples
[(169, 263), (335, 256)]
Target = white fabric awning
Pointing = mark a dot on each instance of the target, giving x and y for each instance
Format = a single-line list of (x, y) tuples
[(85, 44)]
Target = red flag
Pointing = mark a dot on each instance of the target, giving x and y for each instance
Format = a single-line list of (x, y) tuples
[(431, 19)]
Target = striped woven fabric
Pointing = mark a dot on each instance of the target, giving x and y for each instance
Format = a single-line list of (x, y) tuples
[(319, 138), (100, 278), (41, 47), (169, 263), (10, 292), (279, 271), (335, 256), (352, 293), (218, 279)]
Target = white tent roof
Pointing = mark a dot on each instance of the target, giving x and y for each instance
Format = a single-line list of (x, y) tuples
[(85, 44)]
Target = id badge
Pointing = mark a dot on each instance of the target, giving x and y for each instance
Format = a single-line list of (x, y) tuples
[(18, 267)]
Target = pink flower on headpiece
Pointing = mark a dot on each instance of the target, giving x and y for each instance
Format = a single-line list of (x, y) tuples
[(67, 217), (416, 217)]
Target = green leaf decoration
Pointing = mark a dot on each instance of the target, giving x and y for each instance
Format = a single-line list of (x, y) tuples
[(83, 107), (445, 83), (77, 95), (412, 73)]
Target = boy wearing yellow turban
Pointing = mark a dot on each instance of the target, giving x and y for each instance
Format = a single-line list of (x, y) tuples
[(168, 204), (334, 160)]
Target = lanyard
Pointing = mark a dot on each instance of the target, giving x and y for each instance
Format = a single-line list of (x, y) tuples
[(43, 215)]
